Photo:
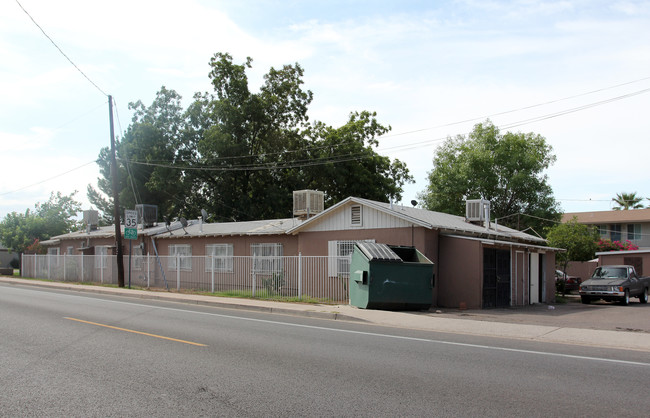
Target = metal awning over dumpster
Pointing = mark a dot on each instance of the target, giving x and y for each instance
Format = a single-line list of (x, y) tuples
[(390, 277)]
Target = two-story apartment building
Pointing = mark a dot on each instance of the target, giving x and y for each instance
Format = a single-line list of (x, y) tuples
[(618, 225)]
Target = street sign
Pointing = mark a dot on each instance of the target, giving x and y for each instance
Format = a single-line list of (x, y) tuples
[(130, 224)]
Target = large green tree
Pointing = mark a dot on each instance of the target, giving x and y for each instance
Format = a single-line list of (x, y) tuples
[(579, 241), (251, 135), (345, 164), (507, 169), (146, 153), (55, 217), (240, 154)]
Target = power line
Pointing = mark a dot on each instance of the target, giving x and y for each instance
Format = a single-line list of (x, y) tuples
[(350, 157), (266, 166), (518, 109), (48, 179), (521, 122), (60, 50)]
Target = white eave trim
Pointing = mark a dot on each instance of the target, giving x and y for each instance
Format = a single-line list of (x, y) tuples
[(622, 252), (507, 243)]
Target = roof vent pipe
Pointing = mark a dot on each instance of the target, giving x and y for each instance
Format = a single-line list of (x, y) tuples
[(486, 209)]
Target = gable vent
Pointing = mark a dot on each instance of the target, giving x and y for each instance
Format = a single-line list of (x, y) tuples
[(355, 215)]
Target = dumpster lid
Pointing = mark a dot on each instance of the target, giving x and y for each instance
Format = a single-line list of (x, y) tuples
[(377, 251)]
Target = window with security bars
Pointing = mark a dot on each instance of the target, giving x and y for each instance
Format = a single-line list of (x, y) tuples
[(267, 258), (339, 253), (52, 255), (138, 257), (101, 257), (220, 256), (181, 252)]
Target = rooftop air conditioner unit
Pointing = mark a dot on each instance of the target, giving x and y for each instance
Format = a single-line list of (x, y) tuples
[(147, 215), (477, 210), (307, 203), (91, 219)]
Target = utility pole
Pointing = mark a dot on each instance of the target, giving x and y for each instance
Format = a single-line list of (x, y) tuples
[(116, 201)]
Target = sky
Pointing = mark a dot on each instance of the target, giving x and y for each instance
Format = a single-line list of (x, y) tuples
[(575, 72)]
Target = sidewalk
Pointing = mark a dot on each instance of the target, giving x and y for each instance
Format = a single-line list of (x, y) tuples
[(457, 323)]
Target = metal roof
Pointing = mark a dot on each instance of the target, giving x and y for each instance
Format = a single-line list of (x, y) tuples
[(446, 223), (432, 220), (100, 232), (196, 229)]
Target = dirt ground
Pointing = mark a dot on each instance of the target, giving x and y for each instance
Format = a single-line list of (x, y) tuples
[(572, 314)]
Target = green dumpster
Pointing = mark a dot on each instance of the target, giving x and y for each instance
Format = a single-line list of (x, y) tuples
[(390, 277)]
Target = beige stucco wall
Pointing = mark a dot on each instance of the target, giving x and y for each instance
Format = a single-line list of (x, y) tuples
[(78, 244), (581, 269), (315, 243), (460, 273), (241, 244), (627, 257)]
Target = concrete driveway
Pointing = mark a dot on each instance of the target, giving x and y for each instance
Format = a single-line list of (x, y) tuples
[(598, 315)]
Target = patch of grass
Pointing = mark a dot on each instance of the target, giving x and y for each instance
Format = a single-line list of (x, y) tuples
[(559, 299), (38, 280), (260, 294)]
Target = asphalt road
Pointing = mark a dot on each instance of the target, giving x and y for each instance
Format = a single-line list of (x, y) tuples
[(70, 354)]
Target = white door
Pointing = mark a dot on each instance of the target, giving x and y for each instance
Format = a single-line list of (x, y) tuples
[(533, 274)]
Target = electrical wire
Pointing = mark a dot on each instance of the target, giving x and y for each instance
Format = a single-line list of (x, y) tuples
[(61, 51), (136, 193), (523, 122), (396, 148), (351, 157), (48, 179), (518, 109)]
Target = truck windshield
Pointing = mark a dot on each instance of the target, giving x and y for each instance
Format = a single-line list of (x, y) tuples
[(610, 273)]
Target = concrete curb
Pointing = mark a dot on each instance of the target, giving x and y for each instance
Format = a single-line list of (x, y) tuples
[(229, 303)]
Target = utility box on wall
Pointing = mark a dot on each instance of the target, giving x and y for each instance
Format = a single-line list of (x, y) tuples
[(390, 277)]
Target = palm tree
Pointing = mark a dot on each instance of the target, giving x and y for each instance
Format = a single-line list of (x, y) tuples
[(627, 201)]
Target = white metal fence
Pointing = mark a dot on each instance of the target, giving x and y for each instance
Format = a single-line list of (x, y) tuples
[(286, 277)]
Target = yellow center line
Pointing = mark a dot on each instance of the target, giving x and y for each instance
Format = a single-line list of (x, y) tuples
[(136, 332)]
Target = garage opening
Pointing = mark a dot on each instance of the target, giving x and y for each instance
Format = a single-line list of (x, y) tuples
[(496, 278)]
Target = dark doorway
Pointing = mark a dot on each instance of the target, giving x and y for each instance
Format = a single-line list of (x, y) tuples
[(542, 281), (496, 278)]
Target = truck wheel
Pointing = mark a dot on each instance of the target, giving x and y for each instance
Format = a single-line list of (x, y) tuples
[(626, 299), (644, 296), (585, 299)]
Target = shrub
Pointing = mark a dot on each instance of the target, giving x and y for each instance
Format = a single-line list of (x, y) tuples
[(609, 245)]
